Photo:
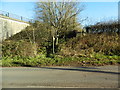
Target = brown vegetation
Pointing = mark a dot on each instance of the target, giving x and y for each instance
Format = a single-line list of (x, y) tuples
[(108, 44)]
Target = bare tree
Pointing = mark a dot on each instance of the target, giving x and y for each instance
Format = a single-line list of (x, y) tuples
[(60, 16)]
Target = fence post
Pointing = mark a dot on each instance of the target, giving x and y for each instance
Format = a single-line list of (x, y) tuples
[(14, 16)]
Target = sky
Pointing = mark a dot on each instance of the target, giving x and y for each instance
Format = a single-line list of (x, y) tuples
[(93, 11)]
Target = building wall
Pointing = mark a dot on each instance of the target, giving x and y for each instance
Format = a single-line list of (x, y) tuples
[(9, 27)]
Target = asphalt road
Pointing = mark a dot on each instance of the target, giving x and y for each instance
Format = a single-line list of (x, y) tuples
[(57, 77)]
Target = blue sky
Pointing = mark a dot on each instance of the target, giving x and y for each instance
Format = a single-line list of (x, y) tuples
[(100, 11), (95, 11)]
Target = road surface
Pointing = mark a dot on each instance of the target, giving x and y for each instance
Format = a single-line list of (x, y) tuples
[(60, 77)]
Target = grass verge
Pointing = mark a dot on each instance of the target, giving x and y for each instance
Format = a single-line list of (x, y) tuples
[(42, 60)]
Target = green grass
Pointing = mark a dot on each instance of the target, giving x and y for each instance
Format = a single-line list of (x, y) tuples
[(42, 60)]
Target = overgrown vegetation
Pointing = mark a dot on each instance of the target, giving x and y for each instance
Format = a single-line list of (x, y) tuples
[(42, 60), (55, 41), (107, 44), (89, 49), (110, 26)]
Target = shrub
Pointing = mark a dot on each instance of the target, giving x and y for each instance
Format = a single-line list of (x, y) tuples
[(92, 43), (20, 48)]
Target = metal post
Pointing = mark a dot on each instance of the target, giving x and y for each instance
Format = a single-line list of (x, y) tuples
[(53, 44)]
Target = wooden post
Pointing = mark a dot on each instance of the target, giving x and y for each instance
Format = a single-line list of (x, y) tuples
[(33, 36)]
